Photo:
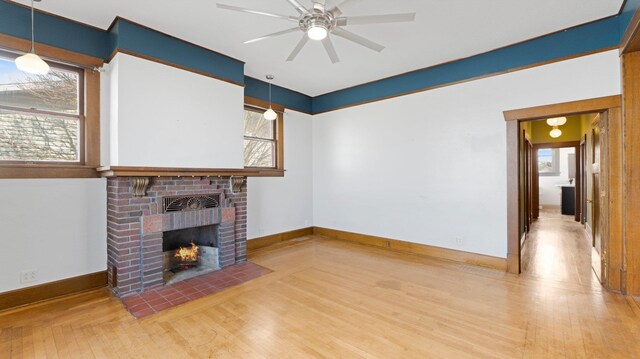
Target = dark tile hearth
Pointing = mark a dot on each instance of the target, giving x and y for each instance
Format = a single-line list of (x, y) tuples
[(158, 299)]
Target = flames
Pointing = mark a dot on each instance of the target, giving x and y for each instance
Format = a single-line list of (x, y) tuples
[(187, 254)]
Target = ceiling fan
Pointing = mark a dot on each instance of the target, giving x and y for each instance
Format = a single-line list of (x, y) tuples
[(318, 22)]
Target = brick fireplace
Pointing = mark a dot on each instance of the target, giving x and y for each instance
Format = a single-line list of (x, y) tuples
[(143, 211)]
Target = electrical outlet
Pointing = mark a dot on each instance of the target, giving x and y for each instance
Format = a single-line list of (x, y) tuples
[(459, 241), (27, 276)]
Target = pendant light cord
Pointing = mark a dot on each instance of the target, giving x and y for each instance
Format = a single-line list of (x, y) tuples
[(33, 50), (269, 94)]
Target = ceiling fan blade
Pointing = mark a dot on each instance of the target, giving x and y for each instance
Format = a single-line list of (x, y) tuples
[(331, 51), (294, 29), (301, 9), (375, 19), (337, 10), (357, 39), (319, 5), (296, 51), (257, 12)]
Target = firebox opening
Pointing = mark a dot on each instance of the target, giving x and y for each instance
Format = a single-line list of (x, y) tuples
[(189, 252)]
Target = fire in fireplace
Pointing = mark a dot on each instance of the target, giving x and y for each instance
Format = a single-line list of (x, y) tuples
[(188, 257), (189, 252)]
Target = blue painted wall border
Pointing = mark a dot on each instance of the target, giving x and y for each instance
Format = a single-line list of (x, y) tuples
[(63, 33), (283, 96), (129, 36), (15, 20), (626, 13), (126, 35), (578, 40)]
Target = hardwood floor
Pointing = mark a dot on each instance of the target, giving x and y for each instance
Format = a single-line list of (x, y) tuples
[(558, 248), (327, 298)]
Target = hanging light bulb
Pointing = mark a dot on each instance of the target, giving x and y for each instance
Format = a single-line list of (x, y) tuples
[(270, 114), (556, 121), (31, 62), (555, 133)]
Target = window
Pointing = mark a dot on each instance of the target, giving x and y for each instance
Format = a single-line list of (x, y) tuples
[(263, 145), (548, 164), (41, 116), (259, 140)]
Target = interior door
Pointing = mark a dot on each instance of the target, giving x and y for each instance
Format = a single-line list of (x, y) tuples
[(527, 185), (529, 182), (583, 176), (596, 257), (535, 197)]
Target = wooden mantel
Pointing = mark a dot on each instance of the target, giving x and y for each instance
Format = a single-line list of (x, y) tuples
[(126, 171)]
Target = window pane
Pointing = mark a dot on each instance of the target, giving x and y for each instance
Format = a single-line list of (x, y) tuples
[(29, 137), (56, 91), (259, 153), (256, 126), (545, 161)]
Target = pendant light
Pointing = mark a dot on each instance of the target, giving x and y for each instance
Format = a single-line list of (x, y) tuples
[(270, 114), (556, 132), (31, 62), (556, 121)]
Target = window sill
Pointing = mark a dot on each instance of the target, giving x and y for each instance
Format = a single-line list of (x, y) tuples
[(47, 171)]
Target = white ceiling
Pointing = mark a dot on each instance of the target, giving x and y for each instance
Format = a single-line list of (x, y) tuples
[(444, 30)]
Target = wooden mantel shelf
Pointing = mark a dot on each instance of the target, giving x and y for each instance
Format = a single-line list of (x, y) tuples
[(125, 171)]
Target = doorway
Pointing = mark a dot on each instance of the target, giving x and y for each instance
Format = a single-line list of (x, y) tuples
[(554, 245), (519, 160), (556, 183)]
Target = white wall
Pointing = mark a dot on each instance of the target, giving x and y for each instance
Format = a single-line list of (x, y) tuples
[(162, 116), (550, 193), (57, 227), (279, 204), (427, 168), (107, 77), (431, 167)]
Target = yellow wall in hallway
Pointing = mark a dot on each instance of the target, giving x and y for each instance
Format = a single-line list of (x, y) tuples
[(571, 131)]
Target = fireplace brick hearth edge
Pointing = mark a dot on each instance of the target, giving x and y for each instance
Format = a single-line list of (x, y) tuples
[(135, 226)]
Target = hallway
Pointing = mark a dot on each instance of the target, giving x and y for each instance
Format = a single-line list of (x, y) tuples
[(558, 248)]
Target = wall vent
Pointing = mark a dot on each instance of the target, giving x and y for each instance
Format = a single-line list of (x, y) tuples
[(190, 203)]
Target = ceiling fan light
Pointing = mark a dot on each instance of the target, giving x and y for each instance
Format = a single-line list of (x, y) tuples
[(317, 32), (270, 114), (555, 133), (556, 121), (32, 64)]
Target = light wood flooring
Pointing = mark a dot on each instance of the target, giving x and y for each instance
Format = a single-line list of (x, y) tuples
[(558, 248), (327, 298)]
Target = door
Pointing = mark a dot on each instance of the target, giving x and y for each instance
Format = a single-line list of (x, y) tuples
[(535, 198), (596, 226), (528, 183), (582, 172)]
